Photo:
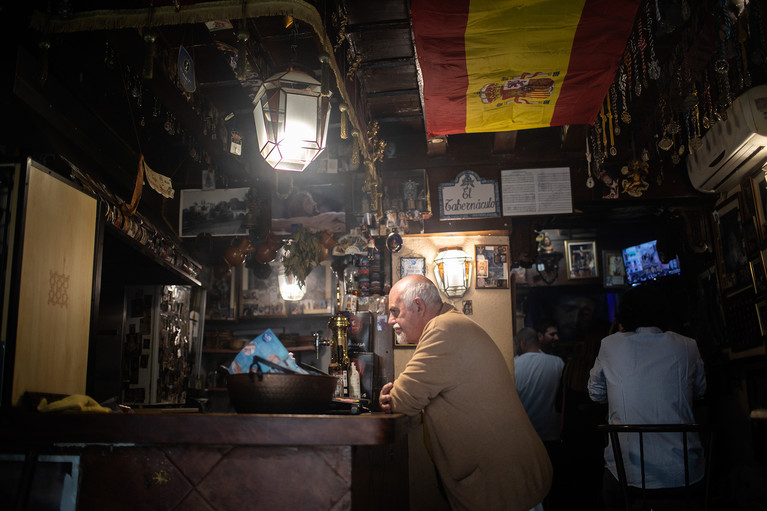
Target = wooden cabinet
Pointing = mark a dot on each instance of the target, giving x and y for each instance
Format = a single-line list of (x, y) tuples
[(168, 461)]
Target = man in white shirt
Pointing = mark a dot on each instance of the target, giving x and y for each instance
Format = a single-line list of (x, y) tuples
[(649, 375)]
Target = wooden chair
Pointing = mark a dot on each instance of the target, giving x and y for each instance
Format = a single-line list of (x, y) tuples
[(644, 499)]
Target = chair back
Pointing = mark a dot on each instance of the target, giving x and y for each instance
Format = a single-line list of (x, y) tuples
[(648, 499)]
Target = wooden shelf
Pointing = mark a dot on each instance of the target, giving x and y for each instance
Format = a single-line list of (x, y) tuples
[(308, 347)]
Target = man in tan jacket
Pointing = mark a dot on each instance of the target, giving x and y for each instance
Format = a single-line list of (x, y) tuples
[(484, 447)]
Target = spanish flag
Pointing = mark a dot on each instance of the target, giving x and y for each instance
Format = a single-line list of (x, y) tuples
[(503, 65)]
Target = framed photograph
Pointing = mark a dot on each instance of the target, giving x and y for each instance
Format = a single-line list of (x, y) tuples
[(218, 212), (581, 259), (612, 268), (731, 255), (412, 266), (492, 263), (758, 275), (318, 207), (761, 314)]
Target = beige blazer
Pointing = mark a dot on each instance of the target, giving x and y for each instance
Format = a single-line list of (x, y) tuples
[(485, 449)]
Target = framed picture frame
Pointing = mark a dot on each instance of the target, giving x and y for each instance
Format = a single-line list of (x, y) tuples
[(761, 315), (758, 275), (317, 206), (492, 264), (260, 295), (732, 261), (412, 266), (218, 212), (581, 259), (222, 296), (759, 190), (613, 270)]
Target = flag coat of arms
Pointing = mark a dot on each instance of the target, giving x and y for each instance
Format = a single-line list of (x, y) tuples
[(504, 65)]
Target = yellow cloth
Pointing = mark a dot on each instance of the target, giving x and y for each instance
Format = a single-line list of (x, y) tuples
[(73, 403)]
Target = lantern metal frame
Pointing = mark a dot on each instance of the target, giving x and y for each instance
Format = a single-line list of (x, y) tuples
[(452, 270)]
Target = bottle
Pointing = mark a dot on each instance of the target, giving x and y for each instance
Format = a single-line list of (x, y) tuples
[(354, 382), (336, 369)]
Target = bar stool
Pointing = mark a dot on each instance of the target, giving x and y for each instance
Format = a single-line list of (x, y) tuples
[(646, 499)]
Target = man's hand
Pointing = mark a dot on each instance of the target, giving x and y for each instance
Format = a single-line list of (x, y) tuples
[(384, 398)]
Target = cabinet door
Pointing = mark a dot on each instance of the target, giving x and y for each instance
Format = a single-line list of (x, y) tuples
[(54, 307)]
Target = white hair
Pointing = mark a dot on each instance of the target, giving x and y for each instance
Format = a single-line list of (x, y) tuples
[(423, 289)]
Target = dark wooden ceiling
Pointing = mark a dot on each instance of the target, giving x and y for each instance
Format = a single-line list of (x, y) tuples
[(94, 62)]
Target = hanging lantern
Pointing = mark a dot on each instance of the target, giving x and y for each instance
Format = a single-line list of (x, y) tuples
[(452, 269), (291, 116), (291, 289)]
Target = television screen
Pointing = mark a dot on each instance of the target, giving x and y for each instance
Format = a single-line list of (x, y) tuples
[(643, 263)]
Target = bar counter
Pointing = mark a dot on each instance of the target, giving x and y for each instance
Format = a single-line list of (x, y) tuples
[(165, 460)]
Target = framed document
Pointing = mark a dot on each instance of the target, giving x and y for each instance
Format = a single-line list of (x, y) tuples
[(412, 266)]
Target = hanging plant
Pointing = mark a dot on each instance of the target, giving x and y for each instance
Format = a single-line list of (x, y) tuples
[(301, 254)]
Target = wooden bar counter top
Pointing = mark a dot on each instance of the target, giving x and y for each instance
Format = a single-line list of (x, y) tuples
[(166, 460)]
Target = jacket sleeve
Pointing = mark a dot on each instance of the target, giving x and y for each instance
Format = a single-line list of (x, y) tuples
[(436, 366)]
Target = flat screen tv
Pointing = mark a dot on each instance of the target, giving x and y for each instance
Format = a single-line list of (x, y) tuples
[(643, 264)]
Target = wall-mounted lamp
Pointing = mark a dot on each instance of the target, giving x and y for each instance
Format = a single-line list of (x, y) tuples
[(452, 269), (291, 116)]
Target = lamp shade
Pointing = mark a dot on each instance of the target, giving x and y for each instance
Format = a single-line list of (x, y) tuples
[(291, 116), (452, 269)]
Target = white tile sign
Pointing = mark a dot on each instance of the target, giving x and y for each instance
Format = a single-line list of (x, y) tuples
[(469, 196), (536, 191)]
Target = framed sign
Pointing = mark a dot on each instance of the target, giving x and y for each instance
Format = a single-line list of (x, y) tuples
[(581, 259), (469, 196), (412, 266), (492, 266), (612, 268)]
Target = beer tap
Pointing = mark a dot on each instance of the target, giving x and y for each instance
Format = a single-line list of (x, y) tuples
[(318, 341)]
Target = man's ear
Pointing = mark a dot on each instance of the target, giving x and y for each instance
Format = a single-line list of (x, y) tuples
[(419, 305)]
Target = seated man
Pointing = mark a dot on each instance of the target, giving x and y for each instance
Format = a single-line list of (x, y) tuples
[(648, 376)]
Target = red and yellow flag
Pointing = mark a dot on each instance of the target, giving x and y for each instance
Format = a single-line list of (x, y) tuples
[(503, 65)]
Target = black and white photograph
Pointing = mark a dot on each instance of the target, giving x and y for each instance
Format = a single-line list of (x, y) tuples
[(217, 212)]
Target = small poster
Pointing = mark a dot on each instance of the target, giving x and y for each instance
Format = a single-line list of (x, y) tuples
[(492, 266)]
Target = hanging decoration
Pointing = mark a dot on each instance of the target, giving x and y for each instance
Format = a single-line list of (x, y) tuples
[(710, 54)]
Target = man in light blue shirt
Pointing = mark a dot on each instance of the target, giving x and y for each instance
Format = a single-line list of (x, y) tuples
[(649, 376), (537, 377)]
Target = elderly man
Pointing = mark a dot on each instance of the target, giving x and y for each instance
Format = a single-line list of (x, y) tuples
[(485, 449)]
